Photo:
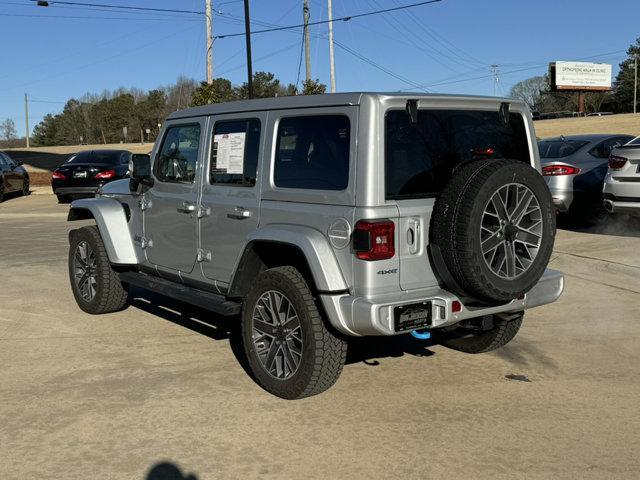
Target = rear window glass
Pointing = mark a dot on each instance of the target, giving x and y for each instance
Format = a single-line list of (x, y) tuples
[(559, 148), (312, 152), (420, 158), (103, 158)]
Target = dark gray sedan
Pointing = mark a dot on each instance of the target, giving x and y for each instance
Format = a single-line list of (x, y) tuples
[(574, 167), (13, 176)]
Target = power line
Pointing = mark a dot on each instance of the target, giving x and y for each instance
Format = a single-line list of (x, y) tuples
[(321, 22), (121, 7)]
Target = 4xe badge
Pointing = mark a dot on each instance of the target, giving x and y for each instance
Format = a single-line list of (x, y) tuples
[(387, 272)]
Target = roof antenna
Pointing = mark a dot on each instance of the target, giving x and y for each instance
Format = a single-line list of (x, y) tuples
[(412, 111)]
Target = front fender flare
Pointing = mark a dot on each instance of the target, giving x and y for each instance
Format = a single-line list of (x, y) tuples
[(315, 248), (112, 224)]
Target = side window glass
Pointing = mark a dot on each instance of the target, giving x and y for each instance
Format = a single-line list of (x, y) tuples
[(235, 152), (178, 156), (312, 152)]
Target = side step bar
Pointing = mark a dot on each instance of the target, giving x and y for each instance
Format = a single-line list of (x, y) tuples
[(207, 300)]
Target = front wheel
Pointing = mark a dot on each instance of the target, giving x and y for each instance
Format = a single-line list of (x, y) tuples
[(483, 334), (290, 351), (96, 286), (26, 187)]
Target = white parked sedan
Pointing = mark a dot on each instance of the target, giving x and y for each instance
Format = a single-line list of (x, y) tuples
[(622, 183)]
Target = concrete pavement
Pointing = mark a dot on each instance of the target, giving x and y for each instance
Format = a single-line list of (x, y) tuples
[(113, 396)]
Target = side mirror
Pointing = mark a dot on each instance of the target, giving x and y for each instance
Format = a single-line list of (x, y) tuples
[(140, 168)]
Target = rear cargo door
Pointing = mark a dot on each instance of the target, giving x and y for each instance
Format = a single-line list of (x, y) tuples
[(420, 159)]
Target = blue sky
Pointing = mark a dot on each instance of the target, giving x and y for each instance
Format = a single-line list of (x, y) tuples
[(449, 46)]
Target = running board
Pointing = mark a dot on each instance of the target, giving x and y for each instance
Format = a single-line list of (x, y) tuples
[(207, 300)]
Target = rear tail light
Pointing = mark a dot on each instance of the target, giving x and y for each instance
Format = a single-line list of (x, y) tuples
[(106, 174), (56, 175), (553, 170), (373, 240), (616, 162)]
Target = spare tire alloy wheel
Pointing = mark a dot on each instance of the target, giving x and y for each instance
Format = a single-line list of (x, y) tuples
[(84, 268), (511, 231), (277, 336)]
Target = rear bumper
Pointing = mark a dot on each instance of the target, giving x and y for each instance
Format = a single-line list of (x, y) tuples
[(360, 316), (75, 190)]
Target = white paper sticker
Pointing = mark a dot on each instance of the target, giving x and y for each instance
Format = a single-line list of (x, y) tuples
[(230, 154)]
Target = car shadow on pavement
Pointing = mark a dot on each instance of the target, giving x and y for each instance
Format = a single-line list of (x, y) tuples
[(217, 327), (168, 471), (617, 225)]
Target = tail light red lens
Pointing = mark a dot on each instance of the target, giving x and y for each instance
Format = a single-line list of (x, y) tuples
[(553, 170), (616, 162), (373, 240), (106, 174), (56, 175)]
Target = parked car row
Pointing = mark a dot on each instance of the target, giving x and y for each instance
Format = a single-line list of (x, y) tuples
[(586, 173)]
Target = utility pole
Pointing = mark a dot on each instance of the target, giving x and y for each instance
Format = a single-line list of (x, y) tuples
[(26, 118), (209, 16), (247, 34), (307, 51), (635, 85), (331, 63), (495, 69)]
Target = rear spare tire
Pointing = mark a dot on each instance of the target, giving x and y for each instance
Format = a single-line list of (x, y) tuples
[(494, 227)]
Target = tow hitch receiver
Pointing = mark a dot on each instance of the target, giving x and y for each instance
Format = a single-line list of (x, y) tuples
[(412, 316)]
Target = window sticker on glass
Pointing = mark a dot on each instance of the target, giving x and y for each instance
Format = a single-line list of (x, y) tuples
[(230, 152)]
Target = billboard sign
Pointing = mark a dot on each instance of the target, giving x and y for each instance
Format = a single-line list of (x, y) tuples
[(580, 76)]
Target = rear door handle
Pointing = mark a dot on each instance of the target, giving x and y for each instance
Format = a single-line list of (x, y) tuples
[(414, 236), (239, 213), (187, 207)]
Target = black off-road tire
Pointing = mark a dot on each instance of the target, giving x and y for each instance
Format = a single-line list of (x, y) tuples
[(323, 353), (1, 192), (470, 341), (111, 294), (455, 229)]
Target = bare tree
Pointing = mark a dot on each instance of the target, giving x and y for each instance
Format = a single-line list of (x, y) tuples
[(8, 130), (529, 90)]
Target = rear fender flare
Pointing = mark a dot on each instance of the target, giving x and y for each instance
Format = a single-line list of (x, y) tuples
[(111, 221), (315, 247)]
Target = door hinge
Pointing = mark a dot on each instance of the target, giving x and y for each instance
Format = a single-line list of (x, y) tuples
[(203, 211), (144, 204), (146, 243), (204, 255)]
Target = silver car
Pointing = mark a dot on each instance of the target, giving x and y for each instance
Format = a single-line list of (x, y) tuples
[(574, 167), (316, 218), (622, 183)]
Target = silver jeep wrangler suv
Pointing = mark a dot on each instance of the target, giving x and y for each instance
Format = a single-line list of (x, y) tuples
[(316, 218)]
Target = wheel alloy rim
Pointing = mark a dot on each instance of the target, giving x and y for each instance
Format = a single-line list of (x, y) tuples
[(511, 231), (84, 271), (277, 336)]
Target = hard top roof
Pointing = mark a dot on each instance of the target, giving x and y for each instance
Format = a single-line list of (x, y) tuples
[(324, 100)]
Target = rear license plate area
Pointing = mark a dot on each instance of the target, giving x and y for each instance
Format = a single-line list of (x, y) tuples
[(79, 174), (412, 316)]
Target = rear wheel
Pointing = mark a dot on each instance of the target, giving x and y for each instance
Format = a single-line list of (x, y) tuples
[(63, 198), (290, 351), (484, 334), (1, 191), (96, 286)]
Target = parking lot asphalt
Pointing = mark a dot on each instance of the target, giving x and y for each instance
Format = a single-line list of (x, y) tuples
[(158, 388)]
